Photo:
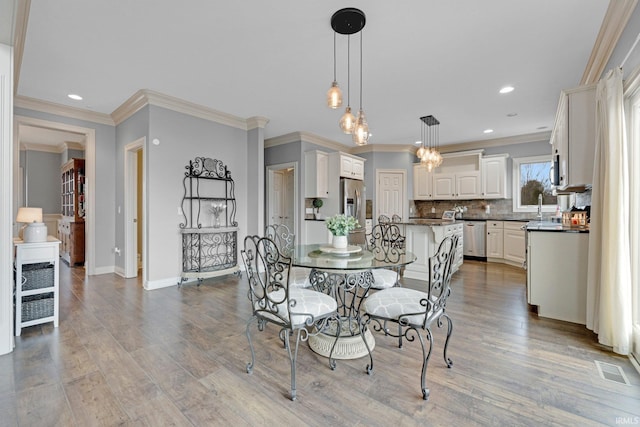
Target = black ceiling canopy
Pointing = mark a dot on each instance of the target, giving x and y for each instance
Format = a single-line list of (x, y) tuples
[(348, 21)]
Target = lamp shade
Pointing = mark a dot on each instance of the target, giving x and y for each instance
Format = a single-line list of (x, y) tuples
[(27, 215)]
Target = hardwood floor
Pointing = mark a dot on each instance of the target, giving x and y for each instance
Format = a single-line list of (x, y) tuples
[(125, 356)]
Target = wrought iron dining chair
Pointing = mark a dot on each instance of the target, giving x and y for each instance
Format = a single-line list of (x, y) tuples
[(416, 310), (296, 311), (284, 239), (383, 219), (395, 218), (386, 243)]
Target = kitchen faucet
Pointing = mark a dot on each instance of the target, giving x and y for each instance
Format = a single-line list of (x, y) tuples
[(540, 207)]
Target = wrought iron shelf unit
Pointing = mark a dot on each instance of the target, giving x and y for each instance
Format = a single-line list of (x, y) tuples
[(209, 228)]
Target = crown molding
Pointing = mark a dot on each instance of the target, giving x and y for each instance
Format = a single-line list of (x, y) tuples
[(145, 97), (496, 142), (613, 24), (305, 137), (256, 122), (61, 110), (19, 36), (382, 148), (29, 146)]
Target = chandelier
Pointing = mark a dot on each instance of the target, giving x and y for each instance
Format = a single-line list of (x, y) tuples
[(349, 21), (428, 151)]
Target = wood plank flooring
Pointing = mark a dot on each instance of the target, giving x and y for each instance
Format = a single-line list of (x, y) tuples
[(126, 356)]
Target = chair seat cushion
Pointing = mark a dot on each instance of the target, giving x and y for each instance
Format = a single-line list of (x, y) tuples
[(307, 302), (384, 278), (393, 303), (299, 277)]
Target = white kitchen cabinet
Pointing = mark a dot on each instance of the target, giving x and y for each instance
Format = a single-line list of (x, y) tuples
[(514, 242), (494, 177), (557, 274), (350, 166), (574, 137), (458, 177), (495, 242), (422, 182), (423, 241), (316, 176)]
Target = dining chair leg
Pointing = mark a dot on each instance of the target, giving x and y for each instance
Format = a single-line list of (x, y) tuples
[(332, 361), (447, 360), (293, 357), (425, 361), (253, 354)]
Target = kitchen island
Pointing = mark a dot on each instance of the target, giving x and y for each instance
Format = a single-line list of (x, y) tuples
[(557, 258), (423, 236)]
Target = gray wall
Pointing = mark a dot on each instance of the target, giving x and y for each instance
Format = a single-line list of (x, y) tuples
[(42, 180), (182, 138)]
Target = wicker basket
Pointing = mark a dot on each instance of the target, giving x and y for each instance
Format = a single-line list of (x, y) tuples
[(37, 276), (37, 306)]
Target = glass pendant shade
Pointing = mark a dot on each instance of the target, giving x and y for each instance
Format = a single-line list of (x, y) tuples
[(334, 96), (360, 134), (347, 121), (428, 152)]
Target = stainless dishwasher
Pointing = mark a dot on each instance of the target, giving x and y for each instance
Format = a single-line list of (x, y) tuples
[(474, 236)]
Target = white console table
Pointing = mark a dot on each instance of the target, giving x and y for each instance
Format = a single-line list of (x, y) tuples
[(36, 285)]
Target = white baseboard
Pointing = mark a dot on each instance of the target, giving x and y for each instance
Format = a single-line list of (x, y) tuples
[(104, 270), (119, 271), (163, 283)]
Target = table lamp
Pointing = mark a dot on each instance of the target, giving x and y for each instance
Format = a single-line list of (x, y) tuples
[(34, 230)]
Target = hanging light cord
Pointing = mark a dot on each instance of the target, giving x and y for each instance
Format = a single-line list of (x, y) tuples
[(361, 69), (334, 56), (348, 69)]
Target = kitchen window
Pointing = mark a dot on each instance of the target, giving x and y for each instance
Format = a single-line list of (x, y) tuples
[(531, 177)]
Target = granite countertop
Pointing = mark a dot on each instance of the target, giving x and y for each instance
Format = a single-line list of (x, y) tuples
[(554, 226), (431, 221)]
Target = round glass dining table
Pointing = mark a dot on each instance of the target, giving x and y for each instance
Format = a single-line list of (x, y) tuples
[(346, 274)]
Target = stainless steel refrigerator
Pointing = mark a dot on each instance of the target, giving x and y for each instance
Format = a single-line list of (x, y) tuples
[(352, 202)]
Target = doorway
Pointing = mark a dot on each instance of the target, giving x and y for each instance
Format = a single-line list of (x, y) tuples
[(391, 192), (282, 195), (134, 210), (45, 129)]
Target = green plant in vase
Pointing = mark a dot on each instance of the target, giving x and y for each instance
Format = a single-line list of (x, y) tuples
[(340, 226), (317, 203)]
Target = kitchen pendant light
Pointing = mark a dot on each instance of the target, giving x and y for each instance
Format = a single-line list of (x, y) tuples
[(428, 152), (360, 135), (334, 95), (349, 21), (348, 120)]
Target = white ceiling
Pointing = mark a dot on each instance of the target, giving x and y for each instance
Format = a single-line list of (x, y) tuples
[(275, 59)]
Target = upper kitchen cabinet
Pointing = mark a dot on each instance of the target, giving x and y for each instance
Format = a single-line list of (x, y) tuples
[(494, 177), (350, 166), (459, 176), (316, 167), (422, 182), (574, 138)]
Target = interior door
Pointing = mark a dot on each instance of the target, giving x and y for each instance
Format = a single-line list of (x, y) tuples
[(277, 194), (287, 199), (391, 194)]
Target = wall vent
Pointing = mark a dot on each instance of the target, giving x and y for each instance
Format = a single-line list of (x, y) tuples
[(611, 372)]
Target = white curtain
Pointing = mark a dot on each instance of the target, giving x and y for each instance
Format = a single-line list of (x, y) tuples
[(609, 296)]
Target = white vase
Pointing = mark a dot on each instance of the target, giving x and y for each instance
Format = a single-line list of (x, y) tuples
[(339, 242)]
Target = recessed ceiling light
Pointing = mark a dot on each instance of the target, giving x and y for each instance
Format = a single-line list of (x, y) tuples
[(541, 127), (75, 97), (512, 114), (418, 142), (487, 131), (507, 89)]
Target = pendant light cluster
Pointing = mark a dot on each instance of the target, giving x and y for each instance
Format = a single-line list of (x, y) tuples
[(428, 151), (348, 21)]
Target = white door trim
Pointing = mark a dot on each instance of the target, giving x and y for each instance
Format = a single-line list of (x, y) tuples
[(90, 177), (131, 207), (405, 201)]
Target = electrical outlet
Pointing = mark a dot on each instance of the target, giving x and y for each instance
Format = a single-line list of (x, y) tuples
[(487, 209), (433, 210), (308, 210)]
